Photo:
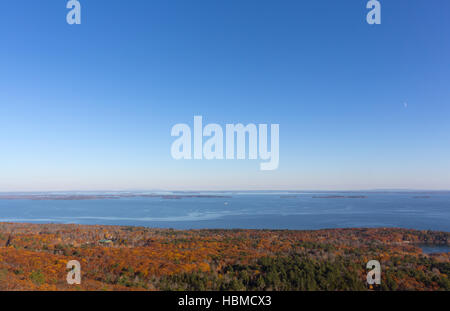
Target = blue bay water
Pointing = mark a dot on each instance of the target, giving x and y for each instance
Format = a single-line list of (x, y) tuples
[(243, 210)]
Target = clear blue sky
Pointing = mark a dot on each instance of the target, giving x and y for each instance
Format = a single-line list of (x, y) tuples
[(91, 106)]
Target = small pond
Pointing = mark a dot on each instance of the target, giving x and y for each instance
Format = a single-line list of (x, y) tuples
[(434, 248)]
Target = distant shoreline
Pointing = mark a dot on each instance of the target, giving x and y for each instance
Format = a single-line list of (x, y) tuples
[(105, 196), (173, 195), (145, 228)]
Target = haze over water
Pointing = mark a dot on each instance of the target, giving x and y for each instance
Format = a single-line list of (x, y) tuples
[(272, 210)]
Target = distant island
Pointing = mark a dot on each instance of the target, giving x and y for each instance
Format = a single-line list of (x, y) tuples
[(70, 197), (340, 197)]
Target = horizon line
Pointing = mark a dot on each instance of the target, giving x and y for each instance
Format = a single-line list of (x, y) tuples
[(236, 190)]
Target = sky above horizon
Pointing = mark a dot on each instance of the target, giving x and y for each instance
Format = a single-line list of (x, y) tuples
[(91, 106)]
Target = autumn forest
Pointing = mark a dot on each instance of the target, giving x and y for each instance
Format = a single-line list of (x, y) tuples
[(34, 257)]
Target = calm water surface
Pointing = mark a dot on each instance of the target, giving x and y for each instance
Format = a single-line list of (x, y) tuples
[(249, 210), (432, 249)]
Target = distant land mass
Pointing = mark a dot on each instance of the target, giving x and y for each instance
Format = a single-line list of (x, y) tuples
[(340, 197), (70, 197)]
